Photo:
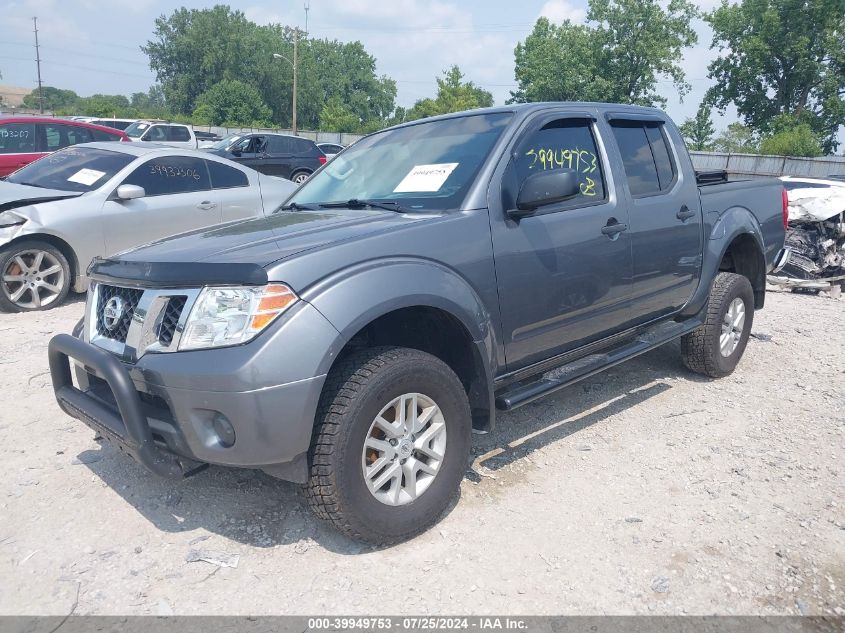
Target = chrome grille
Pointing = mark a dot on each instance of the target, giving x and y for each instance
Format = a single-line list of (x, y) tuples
[(170, 319), (130, 298)]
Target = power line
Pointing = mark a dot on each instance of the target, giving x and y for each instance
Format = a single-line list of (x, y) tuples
[(38, 64)]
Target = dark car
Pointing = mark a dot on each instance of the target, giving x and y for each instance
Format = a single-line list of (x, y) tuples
[(291, 157)]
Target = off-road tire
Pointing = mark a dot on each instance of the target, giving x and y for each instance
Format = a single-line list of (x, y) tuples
[(700, 348), (356, 389), (9, 252)]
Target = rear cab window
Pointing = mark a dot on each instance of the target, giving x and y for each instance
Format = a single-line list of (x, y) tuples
[(563, 144), (17, 138), (649, 168)]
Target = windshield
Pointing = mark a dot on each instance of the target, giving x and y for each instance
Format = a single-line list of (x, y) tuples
[(136, 129), (78, 169), (421, 167), (224, 142)]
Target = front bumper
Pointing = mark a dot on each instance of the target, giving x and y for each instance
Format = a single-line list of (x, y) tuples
[(171, 429)]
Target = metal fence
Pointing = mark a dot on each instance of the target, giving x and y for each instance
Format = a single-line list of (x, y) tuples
[(341, 138), (759, 166)]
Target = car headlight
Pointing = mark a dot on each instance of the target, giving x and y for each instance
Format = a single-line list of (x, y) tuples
[(7, 219), (229, 315)]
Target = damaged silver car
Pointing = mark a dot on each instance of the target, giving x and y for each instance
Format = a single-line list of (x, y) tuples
[(816, 235)]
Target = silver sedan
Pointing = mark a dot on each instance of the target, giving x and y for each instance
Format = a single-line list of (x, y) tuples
[(97, 199)]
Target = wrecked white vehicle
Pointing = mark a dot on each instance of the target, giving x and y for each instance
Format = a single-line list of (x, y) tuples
[(816, 234), (96, 199)]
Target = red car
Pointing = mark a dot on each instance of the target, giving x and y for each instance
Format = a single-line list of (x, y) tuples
[(25, 139)]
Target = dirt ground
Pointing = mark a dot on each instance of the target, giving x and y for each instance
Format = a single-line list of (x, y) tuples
[(642, 490)]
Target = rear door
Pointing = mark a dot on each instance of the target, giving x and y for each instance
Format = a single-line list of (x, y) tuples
[(178, 198), (18, 146), (239, 198), (563, 281), (665, 218), (280, 156)]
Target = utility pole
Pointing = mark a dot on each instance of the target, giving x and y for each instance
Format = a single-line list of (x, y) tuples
[(307, 7), (295, 73), (38, 64)]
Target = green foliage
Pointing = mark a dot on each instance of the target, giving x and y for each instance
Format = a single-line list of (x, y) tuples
[(54, 98), (104, 106), (617, 57), (337, 117), (453, 95), (151, 103), (698, 132), (781, 57), (737, 139), (791, 136), (233, 103), (194, 49)]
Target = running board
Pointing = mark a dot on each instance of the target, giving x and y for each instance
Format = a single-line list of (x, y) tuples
[(565, 375)]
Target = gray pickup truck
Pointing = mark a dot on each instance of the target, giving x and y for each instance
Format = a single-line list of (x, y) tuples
[(429, 275)]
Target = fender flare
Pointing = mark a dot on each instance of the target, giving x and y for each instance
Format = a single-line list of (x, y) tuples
[(388, 284)]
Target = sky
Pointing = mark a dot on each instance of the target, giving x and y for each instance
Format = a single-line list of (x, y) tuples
[(92, 46)]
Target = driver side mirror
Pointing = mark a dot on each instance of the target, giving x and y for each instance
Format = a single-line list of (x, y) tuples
[(130, 192), (545, 187), (236, 152)]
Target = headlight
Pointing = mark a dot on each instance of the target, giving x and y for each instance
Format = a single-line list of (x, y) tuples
[(7, 218), (228, 315)]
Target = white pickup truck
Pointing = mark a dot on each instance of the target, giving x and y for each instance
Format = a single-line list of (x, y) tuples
[(174, 134)]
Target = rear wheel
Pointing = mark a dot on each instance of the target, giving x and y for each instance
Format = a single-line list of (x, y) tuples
[(33, 276), (300, 177), (391, 444), (714, 349)]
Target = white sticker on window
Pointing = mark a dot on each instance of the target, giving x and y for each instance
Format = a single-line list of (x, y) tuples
[(86, 177), (425, 178)]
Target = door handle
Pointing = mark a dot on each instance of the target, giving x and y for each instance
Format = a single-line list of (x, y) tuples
[(613, 228), (684, 213), (205, 205)]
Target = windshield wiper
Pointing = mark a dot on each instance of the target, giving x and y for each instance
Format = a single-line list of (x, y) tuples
[(355, 203), (293, 206)]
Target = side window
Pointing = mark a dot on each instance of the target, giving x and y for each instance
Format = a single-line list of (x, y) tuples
[(563, 144), (225, 177), (53, 138), (170, 174), (280, 145), (76, 135), (99, 135), (304, 146), (156, 134), (178, 133), (17, 138), (649, 168), (243, 145)]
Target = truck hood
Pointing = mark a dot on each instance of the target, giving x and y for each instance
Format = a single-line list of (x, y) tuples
[(263, 241), (14, 196)]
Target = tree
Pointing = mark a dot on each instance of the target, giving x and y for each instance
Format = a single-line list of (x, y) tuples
[(336, 117), (453, 95), (617, 56), (736, 139), (781, 57), (100, 105), (151, 103), (54, 98), (798, 141), (698, 131), (233, 103), (194, 49)]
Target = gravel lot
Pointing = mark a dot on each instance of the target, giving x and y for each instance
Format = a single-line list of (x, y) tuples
[(643, 490)]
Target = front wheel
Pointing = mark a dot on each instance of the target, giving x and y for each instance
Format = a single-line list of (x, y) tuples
[(390, 446), (34, 275), (714, 349)]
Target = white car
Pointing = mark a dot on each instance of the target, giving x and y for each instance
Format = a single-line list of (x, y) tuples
[(173, 134), (96, 199)]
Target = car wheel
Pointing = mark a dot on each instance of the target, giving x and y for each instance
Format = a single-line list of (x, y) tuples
[(390, 446), (714, 349), (300, 177), (33, 276)]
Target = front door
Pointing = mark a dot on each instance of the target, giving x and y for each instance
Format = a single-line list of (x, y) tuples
[(665, 213), (178, 198), (563, 281), (253, 152)]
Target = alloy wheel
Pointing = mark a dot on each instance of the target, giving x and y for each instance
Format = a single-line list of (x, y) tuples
[(33, 279)]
